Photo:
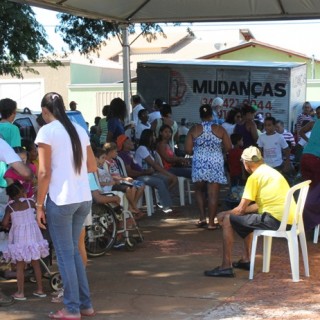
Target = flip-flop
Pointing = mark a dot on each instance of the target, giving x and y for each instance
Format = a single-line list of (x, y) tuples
[(39, 295), (63, 316), (214, 227), (91, 314), (19, 298)]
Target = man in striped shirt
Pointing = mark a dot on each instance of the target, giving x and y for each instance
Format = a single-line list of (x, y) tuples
[(305, 115), (288, 136)]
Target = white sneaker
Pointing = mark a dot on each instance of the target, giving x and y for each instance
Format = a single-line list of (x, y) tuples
[(167, 210)]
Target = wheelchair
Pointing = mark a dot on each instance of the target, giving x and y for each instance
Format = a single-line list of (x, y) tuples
[(107, 223)]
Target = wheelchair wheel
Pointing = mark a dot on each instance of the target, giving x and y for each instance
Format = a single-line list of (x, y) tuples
[(131, 244), (101, 235), (56, 281)]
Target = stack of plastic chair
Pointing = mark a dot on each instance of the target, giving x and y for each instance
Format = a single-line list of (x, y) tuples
[(147, 190), (297, 230), (181, 182)]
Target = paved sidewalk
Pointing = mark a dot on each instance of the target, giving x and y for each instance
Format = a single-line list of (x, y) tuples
[(163, 279)]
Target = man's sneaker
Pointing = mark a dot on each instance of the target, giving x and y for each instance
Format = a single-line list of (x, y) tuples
[(167, 210), (119, 245), (159, 205)]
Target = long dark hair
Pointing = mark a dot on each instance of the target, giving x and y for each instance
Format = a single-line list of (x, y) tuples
[(118, 109), (54, 103), (146, 138)]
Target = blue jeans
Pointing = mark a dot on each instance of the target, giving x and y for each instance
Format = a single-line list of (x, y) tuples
[(65, 223), (160, 182)]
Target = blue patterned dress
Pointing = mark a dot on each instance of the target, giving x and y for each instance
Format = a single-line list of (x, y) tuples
[(207, 162)]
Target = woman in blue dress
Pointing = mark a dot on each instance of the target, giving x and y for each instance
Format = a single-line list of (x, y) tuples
[(207, 142)]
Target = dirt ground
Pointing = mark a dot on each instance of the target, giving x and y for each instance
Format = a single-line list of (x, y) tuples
[(163, 279)]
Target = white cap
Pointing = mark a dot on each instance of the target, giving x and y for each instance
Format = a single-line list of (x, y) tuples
[(217, 102)]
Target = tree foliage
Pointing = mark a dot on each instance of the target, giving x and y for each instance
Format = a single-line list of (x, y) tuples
[(88, 35), (22, 39)]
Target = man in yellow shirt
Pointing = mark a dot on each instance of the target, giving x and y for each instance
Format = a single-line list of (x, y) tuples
[(261, 207)]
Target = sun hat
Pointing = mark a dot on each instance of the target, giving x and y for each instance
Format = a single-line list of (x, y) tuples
[(121, 140), (251, 154)]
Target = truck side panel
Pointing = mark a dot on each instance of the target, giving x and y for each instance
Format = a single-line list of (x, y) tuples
[(267, 87)]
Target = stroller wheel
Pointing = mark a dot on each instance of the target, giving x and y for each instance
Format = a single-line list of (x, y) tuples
[(32, 279), (56, 281), (131, 244)]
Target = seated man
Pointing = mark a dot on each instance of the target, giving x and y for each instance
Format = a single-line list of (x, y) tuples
[(267, 188)]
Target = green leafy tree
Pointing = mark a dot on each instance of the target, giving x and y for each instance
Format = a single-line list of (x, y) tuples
[(22, 40), (88, 35)]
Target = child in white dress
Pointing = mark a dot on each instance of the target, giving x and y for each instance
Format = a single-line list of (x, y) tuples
[(25, 242)]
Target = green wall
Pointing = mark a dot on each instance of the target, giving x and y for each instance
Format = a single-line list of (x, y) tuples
[(259, 53)]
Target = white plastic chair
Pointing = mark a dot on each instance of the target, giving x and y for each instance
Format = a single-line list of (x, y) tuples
[(147, 189), (181, 182), (297, 230)]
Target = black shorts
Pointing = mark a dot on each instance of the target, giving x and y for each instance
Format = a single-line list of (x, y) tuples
[(244, 225)]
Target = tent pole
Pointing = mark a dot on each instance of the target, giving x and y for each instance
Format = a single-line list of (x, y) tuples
[(126, 67)]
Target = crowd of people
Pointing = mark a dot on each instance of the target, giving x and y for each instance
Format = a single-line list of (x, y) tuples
[(58, 175)]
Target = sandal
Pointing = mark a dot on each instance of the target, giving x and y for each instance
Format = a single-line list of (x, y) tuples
[(214, 227), (61, 314), (138, 215), (202, 224)]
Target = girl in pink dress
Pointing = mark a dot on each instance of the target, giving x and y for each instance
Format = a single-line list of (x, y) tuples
[(11, 175), (25, 242)]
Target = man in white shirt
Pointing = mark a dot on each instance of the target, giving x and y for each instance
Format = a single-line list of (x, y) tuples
[(156, 113), (136, 107), (8, 156)]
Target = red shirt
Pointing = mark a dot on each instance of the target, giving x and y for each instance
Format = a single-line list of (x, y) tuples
[(234, 163)]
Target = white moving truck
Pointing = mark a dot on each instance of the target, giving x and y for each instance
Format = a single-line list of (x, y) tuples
[(274, 87)]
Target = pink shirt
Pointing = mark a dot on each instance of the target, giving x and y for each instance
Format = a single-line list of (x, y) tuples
[(28, 187)]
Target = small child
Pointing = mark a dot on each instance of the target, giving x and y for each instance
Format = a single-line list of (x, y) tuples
[(272, 144), (32, 151), (234, 160), (11, 175), (133, 189), (25, 241), (105, 178)]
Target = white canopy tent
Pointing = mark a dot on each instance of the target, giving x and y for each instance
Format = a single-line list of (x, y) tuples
[(138, 11)]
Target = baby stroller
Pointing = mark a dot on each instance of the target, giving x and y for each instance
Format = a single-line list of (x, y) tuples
[(54, 277), (107, 223)]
